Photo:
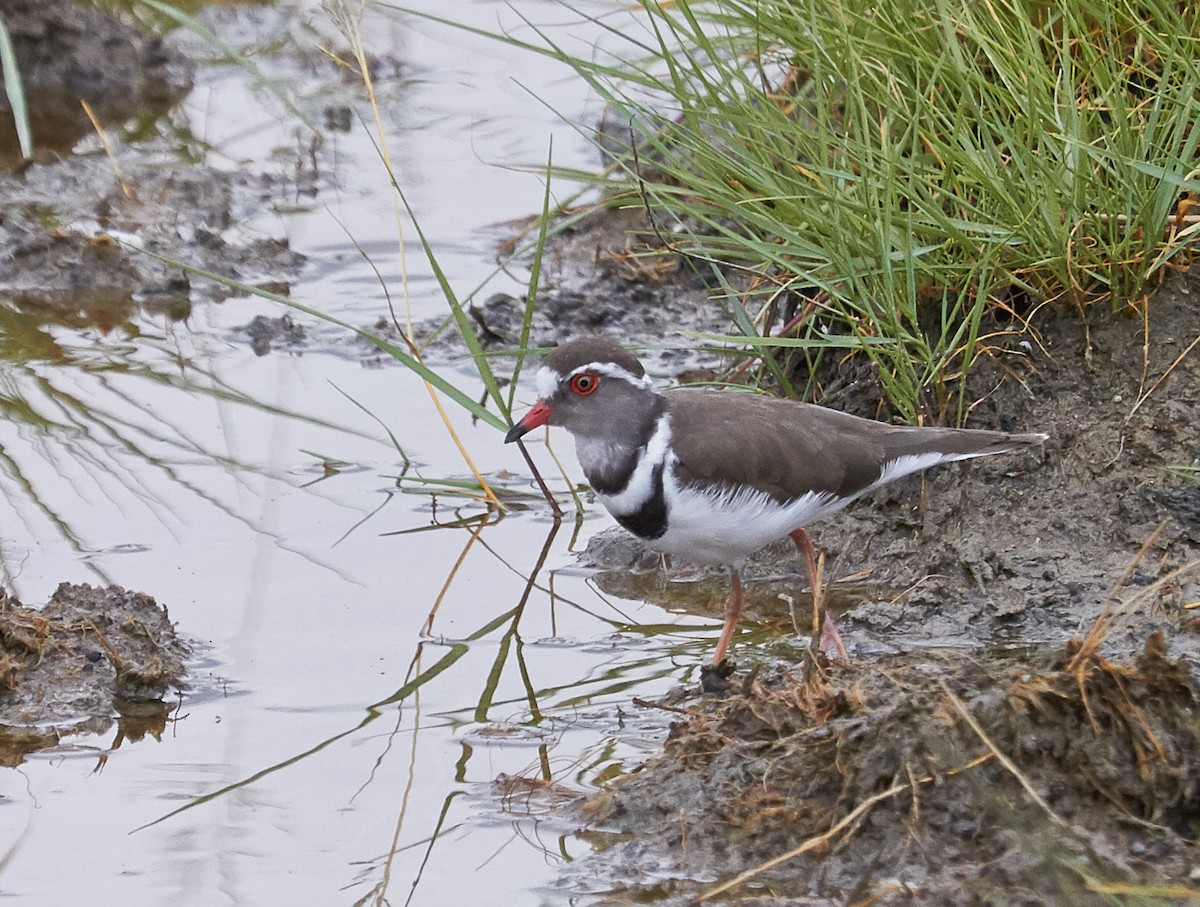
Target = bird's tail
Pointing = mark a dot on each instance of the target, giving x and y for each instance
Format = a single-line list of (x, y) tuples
[(949, 444)]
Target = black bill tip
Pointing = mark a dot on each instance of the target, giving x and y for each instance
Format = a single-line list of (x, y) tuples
[(517, 431)]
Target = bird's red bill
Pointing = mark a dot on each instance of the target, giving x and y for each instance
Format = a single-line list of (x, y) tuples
[(538, 415)]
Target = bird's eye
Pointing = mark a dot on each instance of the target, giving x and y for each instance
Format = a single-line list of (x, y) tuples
[(585, 383)]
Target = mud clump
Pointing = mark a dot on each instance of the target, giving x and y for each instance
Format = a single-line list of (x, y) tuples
[(935, 780), (74, 227), (89, 656), (274, 333), (67, 52)]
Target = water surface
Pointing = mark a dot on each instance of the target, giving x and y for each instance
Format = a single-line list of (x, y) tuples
[(382, 708)]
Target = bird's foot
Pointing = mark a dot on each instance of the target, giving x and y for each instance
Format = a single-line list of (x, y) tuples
[(714, 678)]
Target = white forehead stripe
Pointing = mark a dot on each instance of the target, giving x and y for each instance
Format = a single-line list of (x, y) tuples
[(614, 371), (547, 379)]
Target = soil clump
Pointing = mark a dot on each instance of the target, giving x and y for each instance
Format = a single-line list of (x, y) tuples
[(89, 657), (941, 779)]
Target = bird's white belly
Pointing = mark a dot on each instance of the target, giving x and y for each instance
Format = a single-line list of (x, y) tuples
[(726, 528)]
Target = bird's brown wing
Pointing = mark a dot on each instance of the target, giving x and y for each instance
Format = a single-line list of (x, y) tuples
[(778, 446)]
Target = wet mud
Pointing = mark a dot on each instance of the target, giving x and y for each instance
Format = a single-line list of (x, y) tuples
[(75, 228), (67, 52), (89, 658), (946, 778)]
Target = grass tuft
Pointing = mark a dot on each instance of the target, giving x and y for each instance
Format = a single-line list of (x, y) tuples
[(903, 167)]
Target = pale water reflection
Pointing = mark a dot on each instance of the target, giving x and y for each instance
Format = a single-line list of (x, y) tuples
[(389, 687)]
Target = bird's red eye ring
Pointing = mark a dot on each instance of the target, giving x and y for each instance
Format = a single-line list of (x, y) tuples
[(585, 383)]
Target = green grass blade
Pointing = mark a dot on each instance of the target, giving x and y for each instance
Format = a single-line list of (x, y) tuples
[(15, 89), (466, 327), (535, 273)]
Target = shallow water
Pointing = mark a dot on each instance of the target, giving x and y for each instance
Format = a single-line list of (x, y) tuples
[(362, 677)]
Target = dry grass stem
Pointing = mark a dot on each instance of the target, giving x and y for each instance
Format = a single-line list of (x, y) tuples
[(811, 844), (108, 149)]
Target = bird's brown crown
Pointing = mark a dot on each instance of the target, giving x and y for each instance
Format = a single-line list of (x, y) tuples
[(586, 350)]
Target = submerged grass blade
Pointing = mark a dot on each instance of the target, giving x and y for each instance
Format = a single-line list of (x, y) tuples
[(395, 442)]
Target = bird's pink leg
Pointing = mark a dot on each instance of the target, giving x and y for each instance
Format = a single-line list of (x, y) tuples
[(826, 631), (805, 547), (734, 609)]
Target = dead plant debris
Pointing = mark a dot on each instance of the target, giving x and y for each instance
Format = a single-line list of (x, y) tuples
[(1070, 775)]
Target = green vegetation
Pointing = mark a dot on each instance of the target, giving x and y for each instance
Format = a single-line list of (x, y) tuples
[(892, 171)]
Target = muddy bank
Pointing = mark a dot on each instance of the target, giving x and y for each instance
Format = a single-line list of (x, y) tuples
[(90, 657), (940, 779)]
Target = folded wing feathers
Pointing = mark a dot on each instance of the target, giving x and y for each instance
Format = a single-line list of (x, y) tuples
[(954, 443), (835, 452)]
